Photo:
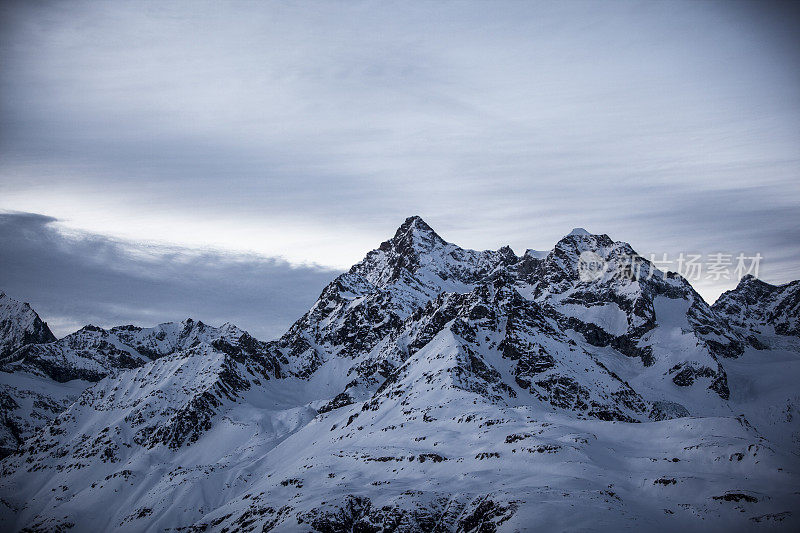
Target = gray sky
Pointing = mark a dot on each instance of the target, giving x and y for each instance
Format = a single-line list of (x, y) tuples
[(309, 131)]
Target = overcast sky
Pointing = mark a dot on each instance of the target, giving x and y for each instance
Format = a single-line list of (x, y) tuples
[(270, 138)]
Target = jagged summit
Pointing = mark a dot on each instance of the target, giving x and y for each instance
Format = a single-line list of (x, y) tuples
[(413, 236), (578, 231), (750, 282), (419, 258), (414, 224), (760, 307), (20, 325), (583, 239)]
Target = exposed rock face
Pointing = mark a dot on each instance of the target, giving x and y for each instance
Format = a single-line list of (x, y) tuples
[(430, 388)]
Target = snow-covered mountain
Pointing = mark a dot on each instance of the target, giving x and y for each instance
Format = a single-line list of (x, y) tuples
[(38, 381), (20, 326), (431, 388), (760, 308), (518, 311), (92, 353)]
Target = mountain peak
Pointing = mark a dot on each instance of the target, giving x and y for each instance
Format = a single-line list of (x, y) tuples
[(578, 231), (414, 234), (750, 279), (20, 325), (579, 240), (414, 224), (750, 288)]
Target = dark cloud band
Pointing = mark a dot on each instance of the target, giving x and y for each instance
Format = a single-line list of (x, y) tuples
[(76, 279)]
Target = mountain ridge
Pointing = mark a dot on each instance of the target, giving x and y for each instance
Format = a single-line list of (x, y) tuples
[(429, 385)]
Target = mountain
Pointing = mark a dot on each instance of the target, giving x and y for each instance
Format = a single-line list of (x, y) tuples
[(92, 353), (38, 381), (760, 308), (533, 315), (20, 326), (430, 388)]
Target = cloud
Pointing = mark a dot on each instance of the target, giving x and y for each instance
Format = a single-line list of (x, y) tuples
[(309, 131), (72, 279)]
